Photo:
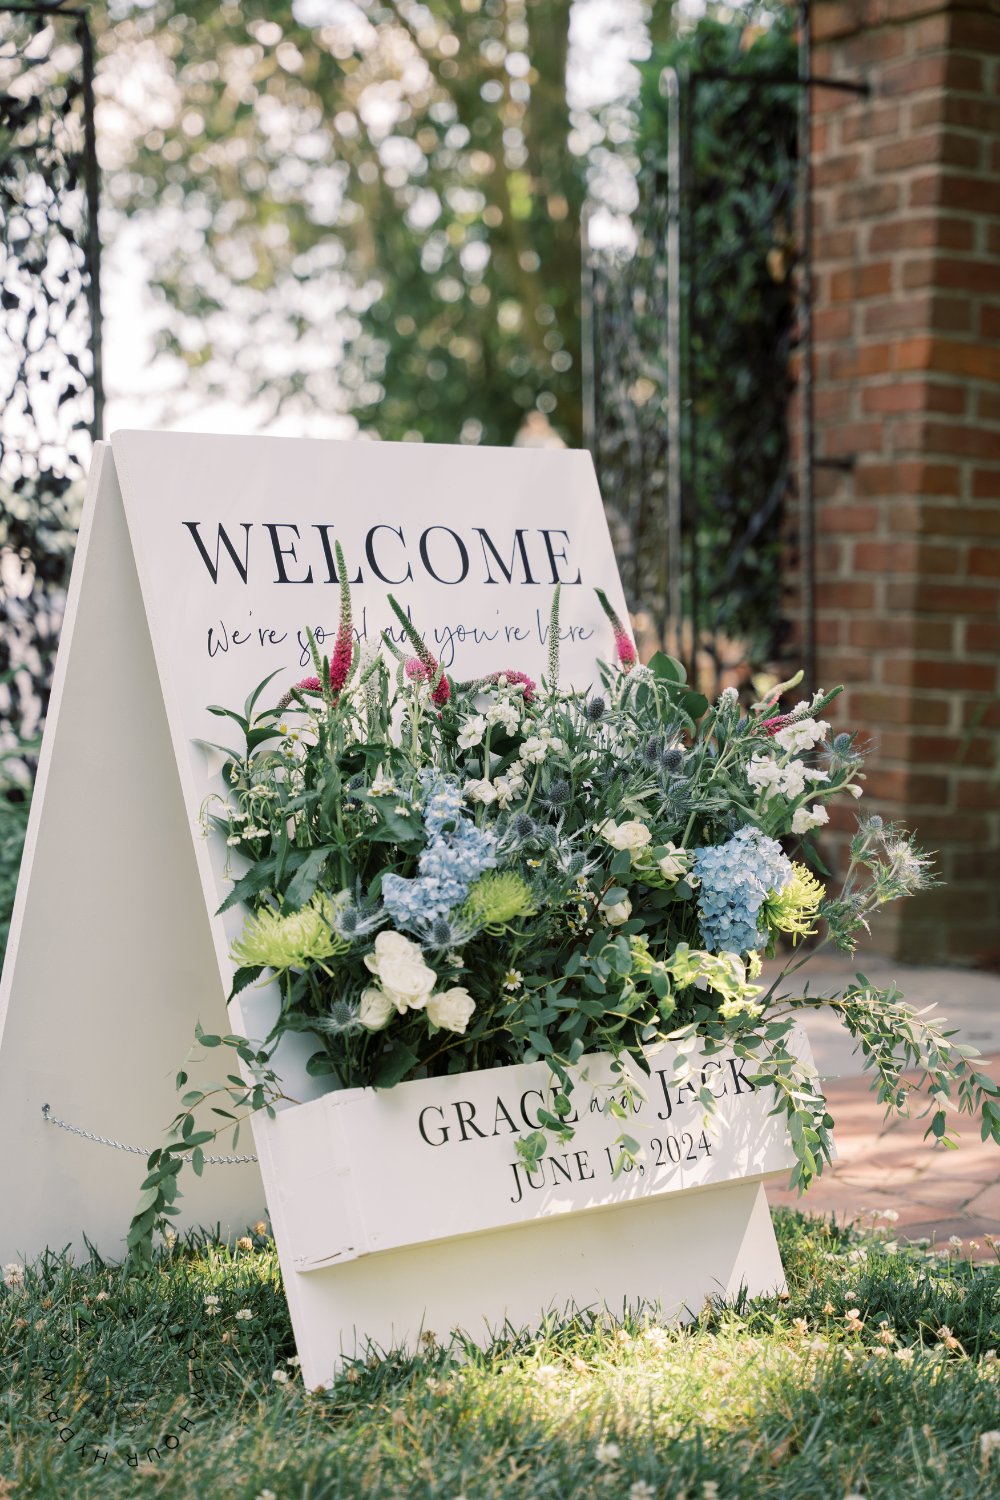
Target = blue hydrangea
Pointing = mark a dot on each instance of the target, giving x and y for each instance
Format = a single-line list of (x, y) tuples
[(449, 863), (736, 879)]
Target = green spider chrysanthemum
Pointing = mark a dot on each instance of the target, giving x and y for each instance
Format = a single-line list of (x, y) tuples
[(496, 898), (793, 909), (301, 938)]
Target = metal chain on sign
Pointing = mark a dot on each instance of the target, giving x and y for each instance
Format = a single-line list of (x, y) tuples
[(210, 1161)]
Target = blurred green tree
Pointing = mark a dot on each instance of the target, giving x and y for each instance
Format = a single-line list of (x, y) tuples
[(385, 191)]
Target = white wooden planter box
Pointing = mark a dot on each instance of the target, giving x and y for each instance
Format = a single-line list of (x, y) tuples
[(405, 1210)]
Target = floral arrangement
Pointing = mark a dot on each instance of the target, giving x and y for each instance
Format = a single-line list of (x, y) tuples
[(447, 876)]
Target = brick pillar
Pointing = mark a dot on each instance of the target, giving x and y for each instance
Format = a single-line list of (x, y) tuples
[(907, 372)]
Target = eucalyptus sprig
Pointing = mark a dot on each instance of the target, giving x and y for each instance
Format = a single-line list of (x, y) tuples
[(260, 1090)]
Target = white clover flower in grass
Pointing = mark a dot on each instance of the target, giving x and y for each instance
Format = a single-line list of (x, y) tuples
[(294, 1361), (244, 1315), (547, 1375), (802, 735), (607, 1454), (642, 1489), (280, 1376), (989, 1442), (806, 818), (13, 1275), (211, 1301)]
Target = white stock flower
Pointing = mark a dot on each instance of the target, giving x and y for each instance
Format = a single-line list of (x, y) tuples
[(805, 819), (506, 789), (376, 1009), (618, 913), (632, 836), (451, 1011), (764, 772), (481, 791), (534, 750), (802, 735), (472, 732)]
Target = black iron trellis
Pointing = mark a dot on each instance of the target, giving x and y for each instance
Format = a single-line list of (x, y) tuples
[(51, 388), (671, 230)]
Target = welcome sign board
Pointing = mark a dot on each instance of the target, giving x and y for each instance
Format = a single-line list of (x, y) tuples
[(202, 562), (434, 1135)]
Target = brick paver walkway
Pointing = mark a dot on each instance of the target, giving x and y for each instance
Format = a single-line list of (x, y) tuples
[(936, 1192)]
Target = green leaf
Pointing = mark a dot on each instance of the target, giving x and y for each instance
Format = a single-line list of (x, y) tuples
[(320, 1064), (622, 863), (245, 976), (146, 1200), (614, 895), (305, 881), (812, 855), (395, 1064), (694, 704), (248, 706), (198, 1160), (668, 667)]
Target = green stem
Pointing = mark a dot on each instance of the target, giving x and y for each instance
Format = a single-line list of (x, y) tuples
[(534, 783)]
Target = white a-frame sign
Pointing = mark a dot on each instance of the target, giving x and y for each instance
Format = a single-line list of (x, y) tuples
[(201, 562)]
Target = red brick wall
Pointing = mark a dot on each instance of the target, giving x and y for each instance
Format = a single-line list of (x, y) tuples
[(907, 381)]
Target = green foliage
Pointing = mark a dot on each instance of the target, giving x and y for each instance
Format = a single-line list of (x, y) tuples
[(758, 1397), (388, 167)]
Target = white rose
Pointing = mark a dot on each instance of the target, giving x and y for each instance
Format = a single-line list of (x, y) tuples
[(481, 791), (632, 836), (407, 982), (391, 945), (376, 1009), (452, 1010), (673, 865), (805, 819), (617, 914)]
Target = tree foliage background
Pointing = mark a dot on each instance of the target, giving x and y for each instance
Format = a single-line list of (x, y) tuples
[(370, 208)]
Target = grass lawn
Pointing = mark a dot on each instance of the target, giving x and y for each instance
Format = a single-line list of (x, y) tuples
[(164, 1385)]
